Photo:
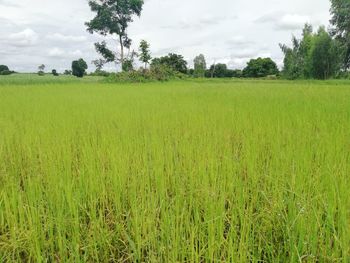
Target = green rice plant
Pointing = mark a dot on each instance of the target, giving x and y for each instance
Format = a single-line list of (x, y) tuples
[(186, 171)]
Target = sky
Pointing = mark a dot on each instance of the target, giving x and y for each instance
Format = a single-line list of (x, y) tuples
[(51, 32)]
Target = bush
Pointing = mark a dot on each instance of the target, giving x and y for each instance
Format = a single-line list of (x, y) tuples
[(54, 72), (41, 73), (156, 73), (67, 72), (100, 73)]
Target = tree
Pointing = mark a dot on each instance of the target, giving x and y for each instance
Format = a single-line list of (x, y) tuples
[(113, 18), (315, 55), (4, 68), (99, 63), (54, 72), (324, 58), (173, 61), (145, 54), (79, 67), (200, 66), (340, 10), (41, 69), (218, 70), (67, 72), (260, 67)]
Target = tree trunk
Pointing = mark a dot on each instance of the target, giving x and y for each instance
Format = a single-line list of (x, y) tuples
[(121, 52)]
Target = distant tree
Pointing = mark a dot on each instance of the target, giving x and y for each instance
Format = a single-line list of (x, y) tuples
[(260, 67), (200, 66), (218, 70), (67, 72), (113, 18), (54, 72), (79, 67), (99, 63), (41, 69), (173, 61), (340, 10), (4, 68), (144, 53)]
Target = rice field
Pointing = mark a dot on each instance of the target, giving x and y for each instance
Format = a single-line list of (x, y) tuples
[(187, 171)]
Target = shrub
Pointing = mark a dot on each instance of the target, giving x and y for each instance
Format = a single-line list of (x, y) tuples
[(156, 73), (100, 73), (54, 72), (41, 73), (6, 72)]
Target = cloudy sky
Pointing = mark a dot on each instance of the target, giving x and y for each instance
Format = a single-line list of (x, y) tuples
[(51, 32)]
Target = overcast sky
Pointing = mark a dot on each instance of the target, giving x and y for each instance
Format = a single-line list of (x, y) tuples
[(52, 32)]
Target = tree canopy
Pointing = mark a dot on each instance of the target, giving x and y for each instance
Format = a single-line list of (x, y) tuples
[(113, 18), (79, 67), (173, 61), (340, 11), (260, 67), (200, 66), (315, 55)]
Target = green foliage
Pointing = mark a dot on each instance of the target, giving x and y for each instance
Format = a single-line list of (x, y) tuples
[(218, 70), (54, 72), (79, 68), (4, 68), (106, 53), (173, 61), (316, 55), (155, 73), (113, 18), (260, 67), (324, 57), (67, 72), (340, 10), (41, 69), (200, 66), (144, 53)]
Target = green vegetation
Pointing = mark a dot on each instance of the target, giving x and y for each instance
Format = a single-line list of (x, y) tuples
[(79, 68), (187, 171), (113, 18), (316, 56), (4, 70)]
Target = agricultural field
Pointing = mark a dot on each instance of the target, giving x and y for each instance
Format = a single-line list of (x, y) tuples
[(182, 171)]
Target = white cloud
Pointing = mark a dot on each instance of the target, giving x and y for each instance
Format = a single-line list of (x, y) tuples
[(66, 38), (26, 37), (292, 22), (56, 52)]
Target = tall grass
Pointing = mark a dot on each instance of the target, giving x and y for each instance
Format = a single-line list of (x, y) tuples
[(175, 172)]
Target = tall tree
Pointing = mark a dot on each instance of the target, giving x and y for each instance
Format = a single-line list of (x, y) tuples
[(144, 52), (323, 57), (200, 66), (315, 55), (340, 11), (113, 18)]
